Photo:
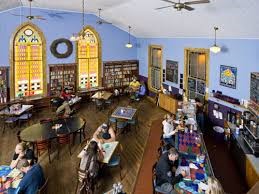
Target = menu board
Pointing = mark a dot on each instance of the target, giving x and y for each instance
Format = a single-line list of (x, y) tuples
[(172, 71), (254, 87)]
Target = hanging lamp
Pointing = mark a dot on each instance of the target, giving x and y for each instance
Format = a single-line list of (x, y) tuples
[(129, 45), (215, 48), (77, 36)]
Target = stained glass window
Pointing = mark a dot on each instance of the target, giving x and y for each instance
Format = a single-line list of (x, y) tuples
[(28, 70), (88, 60)]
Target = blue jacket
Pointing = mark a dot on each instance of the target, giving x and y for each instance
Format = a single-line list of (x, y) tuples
[(142, 90), (32, 180)]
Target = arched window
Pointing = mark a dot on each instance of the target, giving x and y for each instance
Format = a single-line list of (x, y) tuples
[(89, 59), (28, 62)]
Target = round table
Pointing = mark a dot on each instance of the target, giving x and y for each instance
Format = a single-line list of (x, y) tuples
[(45, 131)]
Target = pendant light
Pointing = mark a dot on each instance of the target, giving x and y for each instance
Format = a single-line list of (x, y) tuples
[(215, 48), (76, 37), (129, 45)]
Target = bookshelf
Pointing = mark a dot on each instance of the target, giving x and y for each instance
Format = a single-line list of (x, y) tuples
[(118, 74), (4, 95), (62, 76)]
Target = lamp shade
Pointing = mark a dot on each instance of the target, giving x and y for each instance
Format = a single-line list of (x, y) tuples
[(215, 49), (128, 45)]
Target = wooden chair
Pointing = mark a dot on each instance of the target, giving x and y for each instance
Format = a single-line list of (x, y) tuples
[(99, 104), (86, 181), (121, 124), (134, 122), (44, 188), (156, 189), (64, 139), (42, 146), (18, 136), (25, 117)]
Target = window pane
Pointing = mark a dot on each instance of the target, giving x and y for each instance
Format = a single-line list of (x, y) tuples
[(156, 57)]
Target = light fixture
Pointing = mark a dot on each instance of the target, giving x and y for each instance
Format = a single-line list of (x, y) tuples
[(129, 45), (215, 48), (78, 36)]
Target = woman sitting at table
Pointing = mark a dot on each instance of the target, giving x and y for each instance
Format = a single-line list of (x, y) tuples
[(90, 158), (104, 134), (22, 151), (214, 186), (168, 129)]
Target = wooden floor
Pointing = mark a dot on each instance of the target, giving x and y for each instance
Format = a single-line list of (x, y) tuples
[(62, 173)]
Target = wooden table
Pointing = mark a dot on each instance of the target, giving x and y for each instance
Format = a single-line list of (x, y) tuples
[(19, 112), (102, 95), (124, 113), (109, 149), (45, 131)]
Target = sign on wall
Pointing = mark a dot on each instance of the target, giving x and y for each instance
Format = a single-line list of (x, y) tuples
[(172, 71), (228, 76)]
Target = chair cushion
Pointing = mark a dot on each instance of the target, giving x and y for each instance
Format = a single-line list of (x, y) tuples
[(132, 121), (114, 161), (165, 188), (25, 116), (121, 125), (112, 119)]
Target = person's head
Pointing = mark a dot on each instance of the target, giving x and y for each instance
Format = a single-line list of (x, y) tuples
[(173, 154), (92, 148), (214, 186), (20, 147), (134, 79), (168, 116), (23, 165), (197, 99), (105, 129)]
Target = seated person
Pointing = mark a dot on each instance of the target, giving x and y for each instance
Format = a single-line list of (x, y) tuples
[(214, 186), (134, 85), (104, 134), (90, 158), (32, 180), (168, 129), (22, 151), (142, 90), (66, 94), (165, 177)]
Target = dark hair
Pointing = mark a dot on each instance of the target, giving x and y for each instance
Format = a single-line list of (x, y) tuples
[(197, 99), (23, 163), (92, 148), (173, 151)]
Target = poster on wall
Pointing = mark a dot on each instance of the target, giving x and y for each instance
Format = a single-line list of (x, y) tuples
[(228, 76), (172, 71)]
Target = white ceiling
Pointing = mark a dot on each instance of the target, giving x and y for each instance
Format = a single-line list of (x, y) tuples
[(235, 18)]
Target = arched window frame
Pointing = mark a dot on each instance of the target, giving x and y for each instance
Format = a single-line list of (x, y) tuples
[(12, 60), (99, 55)]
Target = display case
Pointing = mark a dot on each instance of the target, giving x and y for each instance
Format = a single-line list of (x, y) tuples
[(118, 74), (62, 76), (4, 96)]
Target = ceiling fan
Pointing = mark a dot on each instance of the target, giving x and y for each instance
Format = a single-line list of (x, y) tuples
[(30, 16), (179, 6), (101, 21)]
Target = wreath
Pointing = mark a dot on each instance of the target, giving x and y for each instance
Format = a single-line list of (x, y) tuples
[(54, 46)]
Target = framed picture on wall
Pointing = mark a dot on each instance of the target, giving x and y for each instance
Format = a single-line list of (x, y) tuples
[(172, 71), (228, 76)]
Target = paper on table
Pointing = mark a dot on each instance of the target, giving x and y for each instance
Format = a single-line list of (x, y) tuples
[(185, 168), (170, 88), (14, 173), (16, 183), (203, 186), (191, 165)]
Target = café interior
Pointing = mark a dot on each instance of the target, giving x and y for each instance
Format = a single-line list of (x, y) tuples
[(129, 96)]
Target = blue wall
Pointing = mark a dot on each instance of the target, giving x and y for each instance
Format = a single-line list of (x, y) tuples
[(240, 53), (113, 38)]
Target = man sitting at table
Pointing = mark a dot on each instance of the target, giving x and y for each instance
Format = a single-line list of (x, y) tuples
[(104, 134), (65, 96), (165, 170), (32, 181), (142, 91)]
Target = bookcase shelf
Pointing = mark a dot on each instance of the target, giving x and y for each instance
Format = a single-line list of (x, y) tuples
[(118, 74), (4, 93), (62, 76)]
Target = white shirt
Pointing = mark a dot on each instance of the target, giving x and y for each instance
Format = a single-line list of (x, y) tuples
[(168, 129)]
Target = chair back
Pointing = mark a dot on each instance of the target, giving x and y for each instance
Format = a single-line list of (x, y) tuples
[(44, 188), (64, 139), (18, 136), (42, 145), (154, 177), (46, 120)]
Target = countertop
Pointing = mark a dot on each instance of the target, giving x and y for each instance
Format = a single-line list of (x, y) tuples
[(228, 104)]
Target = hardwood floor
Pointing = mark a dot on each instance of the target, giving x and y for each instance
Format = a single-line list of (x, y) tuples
[(62, 173)]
